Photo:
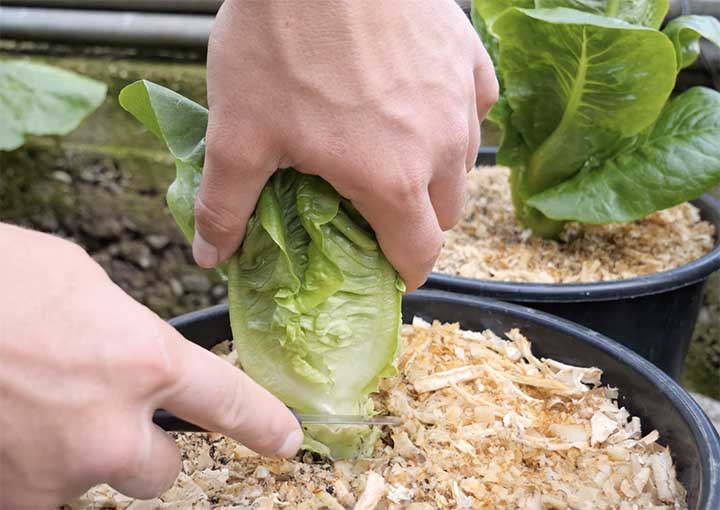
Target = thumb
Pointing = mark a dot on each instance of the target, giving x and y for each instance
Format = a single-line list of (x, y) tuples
[(238, 163), (156, 469), (217, 396)]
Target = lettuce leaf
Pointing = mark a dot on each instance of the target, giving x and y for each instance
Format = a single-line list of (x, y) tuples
[(38, 99), (587, 129), (647, 13), (677, 161), (314, 304), (686, 31)]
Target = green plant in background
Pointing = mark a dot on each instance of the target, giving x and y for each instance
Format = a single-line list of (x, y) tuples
[(588, 130), (314, 304), (38, 99)]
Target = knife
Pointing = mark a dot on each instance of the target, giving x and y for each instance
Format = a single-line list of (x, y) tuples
[(169, 422)]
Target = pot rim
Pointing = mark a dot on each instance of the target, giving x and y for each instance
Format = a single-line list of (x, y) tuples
[(665, 281)]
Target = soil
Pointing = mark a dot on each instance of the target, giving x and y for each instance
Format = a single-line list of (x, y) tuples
[(114, 207), (489, 243)]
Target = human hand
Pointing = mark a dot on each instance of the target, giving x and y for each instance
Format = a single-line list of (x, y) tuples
[(83, 369), (381, 99)]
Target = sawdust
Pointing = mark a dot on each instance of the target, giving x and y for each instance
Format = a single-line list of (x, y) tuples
[(486, 425), (489, 244)]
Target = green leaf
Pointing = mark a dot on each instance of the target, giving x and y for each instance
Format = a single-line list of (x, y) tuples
[(649, 13), (489, 10), (676, 161), (314, 304), (315, 307), (174, 119), (577, 83), (486, 37), (578, 88), (685, 33), (38, 99), (181, 124)]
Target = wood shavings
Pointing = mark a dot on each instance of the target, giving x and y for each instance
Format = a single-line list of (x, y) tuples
[(489, 244), (446, 378), (521, 433), (375, 490)]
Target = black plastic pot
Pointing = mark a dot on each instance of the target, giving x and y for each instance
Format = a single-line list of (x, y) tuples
[(644, 389), (654, 315)]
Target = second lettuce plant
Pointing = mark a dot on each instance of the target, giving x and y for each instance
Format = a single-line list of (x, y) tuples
[(589, 131)]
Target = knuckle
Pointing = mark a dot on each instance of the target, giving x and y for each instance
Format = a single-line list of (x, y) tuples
[(234, 416), (224, 153), (405, 188), (455, 139), (157, 363), (216, 219), (145, 358)]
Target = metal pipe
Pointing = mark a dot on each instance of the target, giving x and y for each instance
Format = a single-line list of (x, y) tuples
[(144, 29), (704, 7), (105, 27), (184, 6)]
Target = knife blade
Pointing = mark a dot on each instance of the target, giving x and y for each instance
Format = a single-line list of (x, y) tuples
[(172, 423), (343, 419)]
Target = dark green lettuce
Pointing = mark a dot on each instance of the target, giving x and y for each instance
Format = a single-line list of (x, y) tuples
[(588, 132), (314, 304)]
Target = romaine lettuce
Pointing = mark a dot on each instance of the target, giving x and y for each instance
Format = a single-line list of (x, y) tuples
[(588, 131), (314, 304)]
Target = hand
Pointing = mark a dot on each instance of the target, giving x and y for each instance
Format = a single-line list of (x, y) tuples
[(83, 369), (381, 99)]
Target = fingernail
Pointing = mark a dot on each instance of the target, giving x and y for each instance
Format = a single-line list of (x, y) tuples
[(204, 253), (291, 445)]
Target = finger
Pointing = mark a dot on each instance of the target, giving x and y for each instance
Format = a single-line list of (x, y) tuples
[(154, 471), (238, 163), (474, 137), (447, 194), (407, 230), (487, 89), (217, 396)]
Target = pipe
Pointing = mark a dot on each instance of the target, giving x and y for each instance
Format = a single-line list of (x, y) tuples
[(704, 7), (183, 6), (106, 27), (142, 29)]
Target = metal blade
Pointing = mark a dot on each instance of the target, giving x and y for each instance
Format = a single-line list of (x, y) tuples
[(326, 419)]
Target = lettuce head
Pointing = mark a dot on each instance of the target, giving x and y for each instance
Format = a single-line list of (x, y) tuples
[(314, 304)]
